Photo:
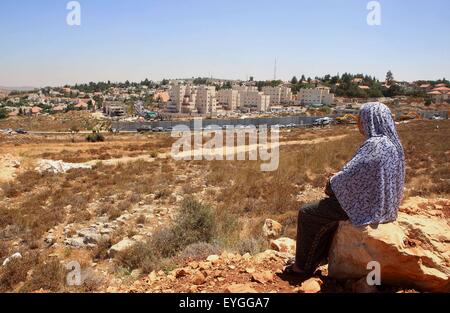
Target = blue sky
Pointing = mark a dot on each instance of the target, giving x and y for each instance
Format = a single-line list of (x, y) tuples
[(155, 39)]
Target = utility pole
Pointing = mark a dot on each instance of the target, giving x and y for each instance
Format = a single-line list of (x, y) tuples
[(275, 70)]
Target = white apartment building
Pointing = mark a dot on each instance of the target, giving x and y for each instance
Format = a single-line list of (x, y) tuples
[(245, 88), (206, 101), (177, 94), (229, 99), (254, 101), (319, 95), (189, 101), (251, 99), (192, 99), (278, 95)]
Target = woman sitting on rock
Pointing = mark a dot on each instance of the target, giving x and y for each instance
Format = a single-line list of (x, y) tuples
[(368, 190)]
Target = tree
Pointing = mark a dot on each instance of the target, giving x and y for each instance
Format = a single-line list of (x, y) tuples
[(251, 78), (294, 81), (3, 113), (275, 83), (389, 78)]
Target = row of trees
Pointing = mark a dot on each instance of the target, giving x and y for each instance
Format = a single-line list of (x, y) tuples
[(349, 85), (104, 86)]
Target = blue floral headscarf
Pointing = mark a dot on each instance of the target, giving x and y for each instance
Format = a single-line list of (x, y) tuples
[(370, 186)]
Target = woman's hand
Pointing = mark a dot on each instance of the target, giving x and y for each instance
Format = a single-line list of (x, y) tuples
[(328, 190)]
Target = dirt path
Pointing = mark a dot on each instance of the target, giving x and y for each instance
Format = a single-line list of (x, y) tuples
[(227, 151), (8, 166)]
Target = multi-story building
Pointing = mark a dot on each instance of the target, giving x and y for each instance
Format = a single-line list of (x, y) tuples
[(319, 95), (188, 104), (278, 95), (250, 99), (229, 99), (245, 88), (206, 101), (177, 93)]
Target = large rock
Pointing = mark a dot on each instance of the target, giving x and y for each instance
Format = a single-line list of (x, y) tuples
[(240, 288), (412, 252), (272, 229), (59, 166), (283, 245), (263, 277), (121, 246), (15, 256), (312, 285)]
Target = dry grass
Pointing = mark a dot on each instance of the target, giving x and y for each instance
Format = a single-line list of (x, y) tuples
[(427, 149), (16, 271), (57, 122), (48, 276)]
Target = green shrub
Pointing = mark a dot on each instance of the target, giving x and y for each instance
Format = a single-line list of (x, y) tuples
[(100, 252), (198, 231), (140, 255), (95, 137), (195, 223), (3, 113)]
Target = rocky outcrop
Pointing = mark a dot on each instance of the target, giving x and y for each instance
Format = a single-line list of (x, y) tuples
[(272, 229), (228, 272), (312, 285), (412, 252), (284, 244), (57, 167), (240, 288), (121, 246), (15, 256)]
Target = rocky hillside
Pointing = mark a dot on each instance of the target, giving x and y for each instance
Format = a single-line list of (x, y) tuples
[(414, 254)]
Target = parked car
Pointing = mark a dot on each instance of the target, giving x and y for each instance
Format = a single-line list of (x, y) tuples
[(323, 121), (7, 131), (21, 131), (144, 129)]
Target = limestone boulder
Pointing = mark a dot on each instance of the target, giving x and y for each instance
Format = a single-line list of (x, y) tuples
[(272, 229), (121, 246), (283, 245), (412, 252), (240, 288)]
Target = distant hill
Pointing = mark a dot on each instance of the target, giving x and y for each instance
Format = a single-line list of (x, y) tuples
[(24, 88)]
